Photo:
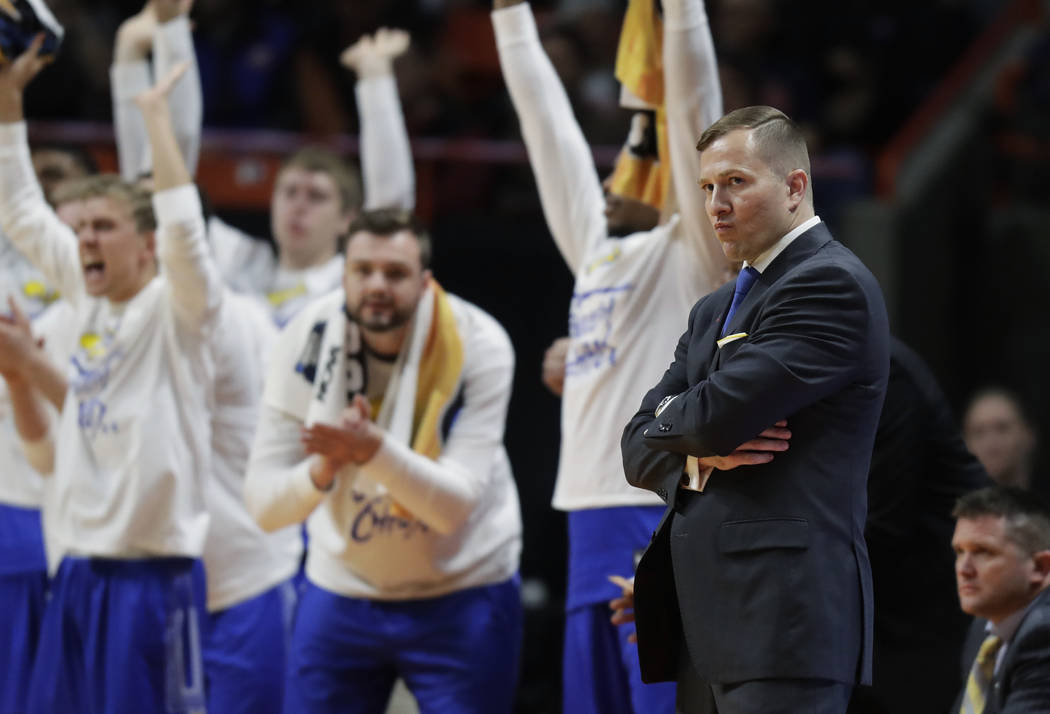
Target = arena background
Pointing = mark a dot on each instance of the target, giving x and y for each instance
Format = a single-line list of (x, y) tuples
[(929, 124)]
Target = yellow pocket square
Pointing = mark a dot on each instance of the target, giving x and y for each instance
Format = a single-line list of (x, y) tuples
[(730, 338)]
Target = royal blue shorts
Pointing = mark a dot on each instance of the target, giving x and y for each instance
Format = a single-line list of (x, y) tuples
[(23, 588), (122, 637), (458, 653), (600, 673), (244, 653)]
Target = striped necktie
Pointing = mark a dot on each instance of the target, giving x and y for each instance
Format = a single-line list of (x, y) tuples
[(976, 694)]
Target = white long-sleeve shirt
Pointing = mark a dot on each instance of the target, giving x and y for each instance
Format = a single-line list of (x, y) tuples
[(133, 441), (20, 485), (466, 525), (632, 295), (240, 559)]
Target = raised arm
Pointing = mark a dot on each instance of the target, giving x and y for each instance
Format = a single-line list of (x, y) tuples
[(386, 157), (25, 216), (693, 101), (561, 159), (173, 46), (129, 76), (193, 278)]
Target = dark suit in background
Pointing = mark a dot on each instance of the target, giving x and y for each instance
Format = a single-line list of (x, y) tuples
[(767, 568), (919, 467), (1021, 685)]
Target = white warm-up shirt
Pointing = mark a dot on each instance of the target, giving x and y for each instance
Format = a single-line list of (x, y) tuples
[(132, 446), (20, 485), (241, 560), (466, 525), (632, 295)]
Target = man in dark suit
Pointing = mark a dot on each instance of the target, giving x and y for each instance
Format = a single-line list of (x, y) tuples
[(756, 591), (1002, 570), (920, 467)]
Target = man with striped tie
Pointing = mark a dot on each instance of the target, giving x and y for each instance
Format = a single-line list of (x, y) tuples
[(1002, 569)]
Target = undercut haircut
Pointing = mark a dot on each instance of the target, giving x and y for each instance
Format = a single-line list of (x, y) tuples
[(385, 222), (779, 141), (135, 198), (320, 160), (1025, 516)]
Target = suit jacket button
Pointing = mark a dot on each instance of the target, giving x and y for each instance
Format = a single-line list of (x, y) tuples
[(664, 427)]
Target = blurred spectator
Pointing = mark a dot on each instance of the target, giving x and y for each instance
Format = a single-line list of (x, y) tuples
[(1000, 434)]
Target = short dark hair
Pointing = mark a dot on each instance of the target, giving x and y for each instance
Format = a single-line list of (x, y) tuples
[(781, 143), (321, 160), (387, 222), (1026, 517), (136, 198)]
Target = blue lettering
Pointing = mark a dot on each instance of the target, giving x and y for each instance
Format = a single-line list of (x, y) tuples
[(374, 519)]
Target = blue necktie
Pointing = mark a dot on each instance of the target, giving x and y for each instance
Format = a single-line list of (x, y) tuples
[(744, 280)]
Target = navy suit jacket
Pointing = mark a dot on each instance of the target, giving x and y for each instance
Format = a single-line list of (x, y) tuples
[(1022, 683), (766, 572)]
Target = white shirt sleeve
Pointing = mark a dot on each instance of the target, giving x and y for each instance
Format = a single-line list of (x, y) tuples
[(569, 187), (127, 80), (193, 278), (172, 44), (278, 490), (386, 156), (444, 493), (30, 223), (693, 100)]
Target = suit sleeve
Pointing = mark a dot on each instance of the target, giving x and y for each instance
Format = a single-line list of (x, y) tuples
[(1028, 679), (644, 467), (805, 347)]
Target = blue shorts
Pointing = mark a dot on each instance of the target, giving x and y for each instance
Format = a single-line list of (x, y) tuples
[(457, 653), (244, 653), (23, 588), (121, 636), (22, 598), (600, 672)]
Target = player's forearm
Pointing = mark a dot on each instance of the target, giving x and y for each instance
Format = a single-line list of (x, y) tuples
[(29, 222), (173, 44), (29, 408), (192, 274), (561, 159), (127, 80), (386, 155), (278, 490), (693, 102)]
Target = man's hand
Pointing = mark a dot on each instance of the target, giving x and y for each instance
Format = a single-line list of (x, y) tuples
[(374, 55), (134, 39), (354, 441), (553, 374), (15, 76), (17, 346), (623, 606), (759, 450)]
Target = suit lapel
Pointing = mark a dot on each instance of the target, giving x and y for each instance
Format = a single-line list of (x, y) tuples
[(799, 250)]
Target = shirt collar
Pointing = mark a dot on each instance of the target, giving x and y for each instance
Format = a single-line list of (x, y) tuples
[(762, 262)]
